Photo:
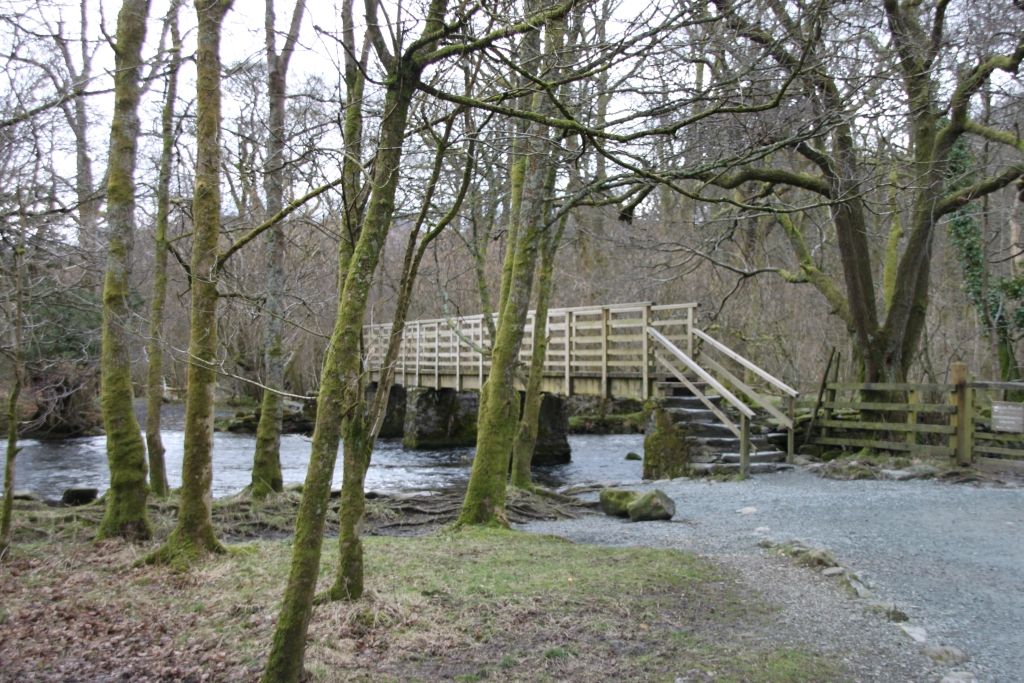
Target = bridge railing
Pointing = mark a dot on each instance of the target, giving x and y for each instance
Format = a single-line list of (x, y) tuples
[(590, 348), (709, 368)]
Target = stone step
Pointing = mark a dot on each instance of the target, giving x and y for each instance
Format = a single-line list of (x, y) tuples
[(678, 389), (734, 468), (756, 456), (708, 429), (721, 443), (690, 414)]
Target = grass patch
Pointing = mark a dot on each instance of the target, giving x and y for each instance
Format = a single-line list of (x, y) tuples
[(480, 604)]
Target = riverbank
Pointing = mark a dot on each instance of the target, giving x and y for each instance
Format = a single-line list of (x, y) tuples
[(482, 604)]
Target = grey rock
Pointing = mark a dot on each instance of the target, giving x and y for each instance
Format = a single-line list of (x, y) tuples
[(959, 677), (79, 496), (652, 506), (946, 654), (832, 571), (897, 475), (888, 609), (916, 633)]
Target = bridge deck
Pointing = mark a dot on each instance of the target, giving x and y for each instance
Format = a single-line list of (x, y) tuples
[(592, 350)]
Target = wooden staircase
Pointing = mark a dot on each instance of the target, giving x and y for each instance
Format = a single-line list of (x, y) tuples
[(728, 433), (715, 449)]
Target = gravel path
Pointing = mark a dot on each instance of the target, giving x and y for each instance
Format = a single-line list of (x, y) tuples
[(950, 556)]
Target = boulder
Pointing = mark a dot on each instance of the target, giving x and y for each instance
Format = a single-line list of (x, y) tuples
[(651, 506), (78, 496), (633, 456), (616, 502)]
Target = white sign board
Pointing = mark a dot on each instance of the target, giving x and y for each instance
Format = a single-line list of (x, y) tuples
[(1007, 417)]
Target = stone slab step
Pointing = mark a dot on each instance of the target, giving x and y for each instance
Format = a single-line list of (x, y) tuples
[(734, 468), (729, 442), (687, 414), (707, 429), (756, 456)]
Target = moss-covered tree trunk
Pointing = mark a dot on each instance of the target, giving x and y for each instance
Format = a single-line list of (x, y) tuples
[(125, 510), (526, 432), (499, 400), (154, 346), (341, 398), (17, 380), (266, 466), (194, 535), (361, 430)]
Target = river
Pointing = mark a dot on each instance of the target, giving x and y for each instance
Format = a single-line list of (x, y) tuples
[(47, 467)]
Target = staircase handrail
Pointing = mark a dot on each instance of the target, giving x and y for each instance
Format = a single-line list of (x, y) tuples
[(696, 369), (766, 376)]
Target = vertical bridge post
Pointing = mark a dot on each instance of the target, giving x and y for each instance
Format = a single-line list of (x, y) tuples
[(605, 322)]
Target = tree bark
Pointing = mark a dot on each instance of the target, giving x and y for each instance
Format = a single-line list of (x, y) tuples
[(154, 347), (7, 509), (125, 511), (266, 467), (499, 400), (341, 398), (193, 535), (526, 433)]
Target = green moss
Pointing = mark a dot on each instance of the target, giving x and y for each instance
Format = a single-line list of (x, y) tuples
[(616, 502), (666, 449)]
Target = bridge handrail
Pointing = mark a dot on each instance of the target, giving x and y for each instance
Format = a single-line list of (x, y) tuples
[(696, 369), (767, 377), (626, 307)]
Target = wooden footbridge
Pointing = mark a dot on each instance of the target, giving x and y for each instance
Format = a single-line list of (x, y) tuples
[(633, 350)]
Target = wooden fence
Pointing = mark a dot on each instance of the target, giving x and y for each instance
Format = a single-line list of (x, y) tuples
[(965, 420)]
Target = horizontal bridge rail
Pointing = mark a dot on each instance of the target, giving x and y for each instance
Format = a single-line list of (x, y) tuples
[(593, 350)]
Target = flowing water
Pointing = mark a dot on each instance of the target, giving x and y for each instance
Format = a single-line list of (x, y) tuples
[(47, 467)]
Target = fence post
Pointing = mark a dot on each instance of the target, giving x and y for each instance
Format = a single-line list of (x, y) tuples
[(689, 331), (480, 354), (605, 321), (645, 374), (569, 318), (913, 398), (791, 436), (437, 355), (744, 446), (963, 399), (419, 327), (456, 350)]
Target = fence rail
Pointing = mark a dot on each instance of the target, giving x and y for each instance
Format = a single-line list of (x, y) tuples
[(948, 419)]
